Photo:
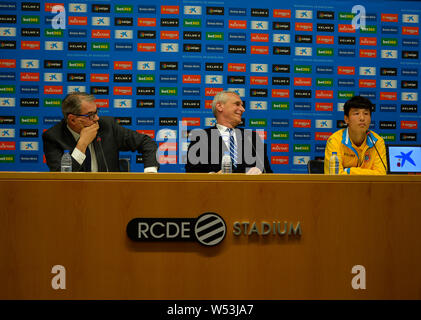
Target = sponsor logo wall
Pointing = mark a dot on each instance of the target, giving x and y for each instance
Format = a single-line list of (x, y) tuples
[(156, 65)]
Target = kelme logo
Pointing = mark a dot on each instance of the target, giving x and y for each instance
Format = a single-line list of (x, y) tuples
[(209, 229)]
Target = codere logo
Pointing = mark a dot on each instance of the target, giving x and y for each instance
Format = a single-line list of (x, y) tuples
[(209, 229)]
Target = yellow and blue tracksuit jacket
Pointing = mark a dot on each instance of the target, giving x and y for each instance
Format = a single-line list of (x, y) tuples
[(356, 160)]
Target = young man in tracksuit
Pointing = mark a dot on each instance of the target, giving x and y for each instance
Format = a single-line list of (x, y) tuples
[(356, 145)]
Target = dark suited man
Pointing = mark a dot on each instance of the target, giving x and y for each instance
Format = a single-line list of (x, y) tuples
[(208, 146), (94, 143)]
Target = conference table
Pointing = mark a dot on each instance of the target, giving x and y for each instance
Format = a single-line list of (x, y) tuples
[(173, 236)]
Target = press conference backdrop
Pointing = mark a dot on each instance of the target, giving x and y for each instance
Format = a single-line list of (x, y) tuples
[(156, 65)]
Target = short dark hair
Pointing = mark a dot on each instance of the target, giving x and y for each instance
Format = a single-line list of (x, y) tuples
[(73, 101), (358, 102)]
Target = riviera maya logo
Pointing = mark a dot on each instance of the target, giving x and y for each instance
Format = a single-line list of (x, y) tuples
[(209, 229)]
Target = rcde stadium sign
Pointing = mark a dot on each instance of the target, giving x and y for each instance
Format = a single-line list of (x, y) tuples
[(209, 229)]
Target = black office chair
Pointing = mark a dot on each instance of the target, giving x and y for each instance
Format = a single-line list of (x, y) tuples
[(316, 166), (124, 165)]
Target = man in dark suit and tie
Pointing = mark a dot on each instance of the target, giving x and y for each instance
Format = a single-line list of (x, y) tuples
[(93, 143), (207, 147)]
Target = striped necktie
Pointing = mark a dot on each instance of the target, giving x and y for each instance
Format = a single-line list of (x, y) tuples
[(233, 148)]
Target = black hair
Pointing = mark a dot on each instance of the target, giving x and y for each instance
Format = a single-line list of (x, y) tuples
[(358, 102)]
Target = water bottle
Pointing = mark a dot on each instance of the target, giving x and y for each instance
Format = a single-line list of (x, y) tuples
[(334, 164), (226, 165), (66, 162)]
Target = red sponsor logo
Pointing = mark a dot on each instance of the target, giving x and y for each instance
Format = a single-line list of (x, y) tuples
[(259, 50), (53, 89), (237, 24), (262, 134), (325, 39), (324, 94), (168, 146), (78, 21), (170, 35), (368, 53), (146, 22), (279, 147), (280, 93), (263, 81), (122, 91), (123, 65), (49, 6), (208, 104), (302, 123), (102, 103), (193, 122), (30, 45), (100, 77), (210, 92), (303, 26), (7, 145), (170, 9), (236, 67), (279, 13), (279, 160), (410, 31), (347, 28), (409, 124), (101, 34), (150, 133), (302, 82), (368, 41), (146, 47), (29, 76), (389, 17), (324, 106), (259, 37), (322, 135), (388, 96), (346, 70), (367, 83), (171, 159), (7, 63), (192, 78)]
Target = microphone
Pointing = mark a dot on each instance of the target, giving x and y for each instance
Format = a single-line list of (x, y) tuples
[(98, 139), (374, 144), (257, 155)]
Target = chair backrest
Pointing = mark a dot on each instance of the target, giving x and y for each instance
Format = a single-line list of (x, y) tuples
[(315, 166), (124, 165)]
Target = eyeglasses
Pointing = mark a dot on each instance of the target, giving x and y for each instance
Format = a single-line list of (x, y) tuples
[(90, 115)]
